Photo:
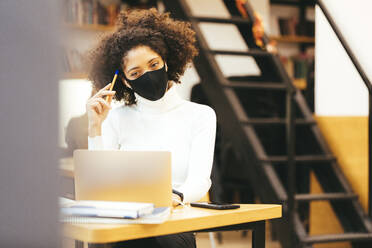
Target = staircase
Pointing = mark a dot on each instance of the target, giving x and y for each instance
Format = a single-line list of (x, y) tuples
[(273, 132)]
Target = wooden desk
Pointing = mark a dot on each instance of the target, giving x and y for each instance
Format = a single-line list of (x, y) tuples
[(183, 219)]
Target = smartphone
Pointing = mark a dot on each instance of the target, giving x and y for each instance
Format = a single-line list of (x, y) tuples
[(217, 206)]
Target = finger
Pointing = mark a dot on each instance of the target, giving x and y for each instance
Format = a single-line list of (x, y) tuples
[(98, 107), (104, 103), (90, 104), (106, 93), (94, 108), (103, 107), (109, 99), (175, 203), (104, 88)]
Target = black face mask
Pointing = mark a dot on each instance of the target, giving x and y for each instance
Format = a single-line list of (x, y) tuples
[(152, 85)]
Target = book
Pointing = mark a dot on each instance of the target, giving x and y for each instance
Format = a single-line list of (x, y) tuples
[(91, 12), (158, 216), (288, 26), (105, 209), (298, 68)]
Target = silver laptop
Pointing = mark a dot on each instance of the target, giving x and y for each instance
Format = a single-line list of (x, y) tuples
[(138, 176)]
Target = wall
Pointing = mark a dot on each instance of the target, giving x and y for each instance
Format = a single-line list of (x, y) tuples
[(339, 90)]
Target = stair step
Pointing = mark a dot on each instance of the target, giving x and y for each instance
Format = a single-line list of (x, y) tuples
[(293, 2), (302, 158), (233, 19), (251, 52), (330, 238), (326, 196), (267, 121), (256, 85)]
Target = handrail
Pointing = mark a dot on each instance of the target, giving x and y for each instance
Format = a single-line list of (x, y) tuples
[(346, 46), (368, 84)]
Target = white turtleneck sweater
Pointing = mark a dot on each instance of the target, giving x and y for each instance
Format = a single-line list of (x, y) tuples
[(184, 128)]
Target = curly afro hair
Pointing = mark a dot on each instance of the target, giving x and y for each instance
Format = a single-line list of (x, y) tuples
[(173, 40)]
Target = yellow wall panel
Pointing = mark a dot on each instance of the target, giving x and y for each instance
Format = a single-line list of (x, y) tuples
[(348, 140), (347, 136)]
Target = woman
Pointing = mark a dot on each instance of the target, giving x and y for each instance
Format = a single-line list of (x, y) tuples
[(151, 52)]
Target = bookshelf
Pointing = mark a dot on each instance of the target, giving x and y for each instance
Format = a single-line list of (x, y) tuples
[(292, 27), (84, 22)]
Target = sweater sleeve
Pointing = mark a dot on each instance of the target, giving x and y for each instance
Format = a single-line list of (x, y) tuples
[(198, 180), (109, 135)]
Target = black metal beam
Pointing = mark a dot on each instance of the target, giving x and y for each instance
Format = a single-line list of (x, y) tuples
[(326, 197), (231, 20), (254, 85), (291, 162), (251, 52), (294, 2), (301, 158), (278, 121), (332, 238), (370, 155)]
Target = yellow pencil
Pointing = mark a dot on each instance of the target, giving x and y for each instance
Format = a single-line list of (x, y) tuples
[(108, 98)]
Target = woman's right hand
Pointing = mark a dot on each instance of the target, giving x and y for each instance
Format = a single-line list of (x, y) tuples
[(97, 109)]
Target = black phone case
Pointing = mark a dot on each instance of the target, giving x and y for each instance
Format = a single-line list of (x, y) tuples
[(214, 206)]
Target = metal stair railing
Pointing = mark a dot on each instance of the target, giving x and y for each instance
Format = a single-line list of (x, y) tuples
[(307, 240), (224, 96), (367, 83)]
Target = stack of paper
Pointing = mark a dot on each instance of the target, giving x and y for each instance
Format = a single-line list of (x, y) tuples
[(111, 212), (107, 209)]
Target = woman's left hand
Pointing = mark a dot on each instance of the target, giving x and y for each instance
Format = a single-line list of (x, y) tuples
[(176, 199)]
